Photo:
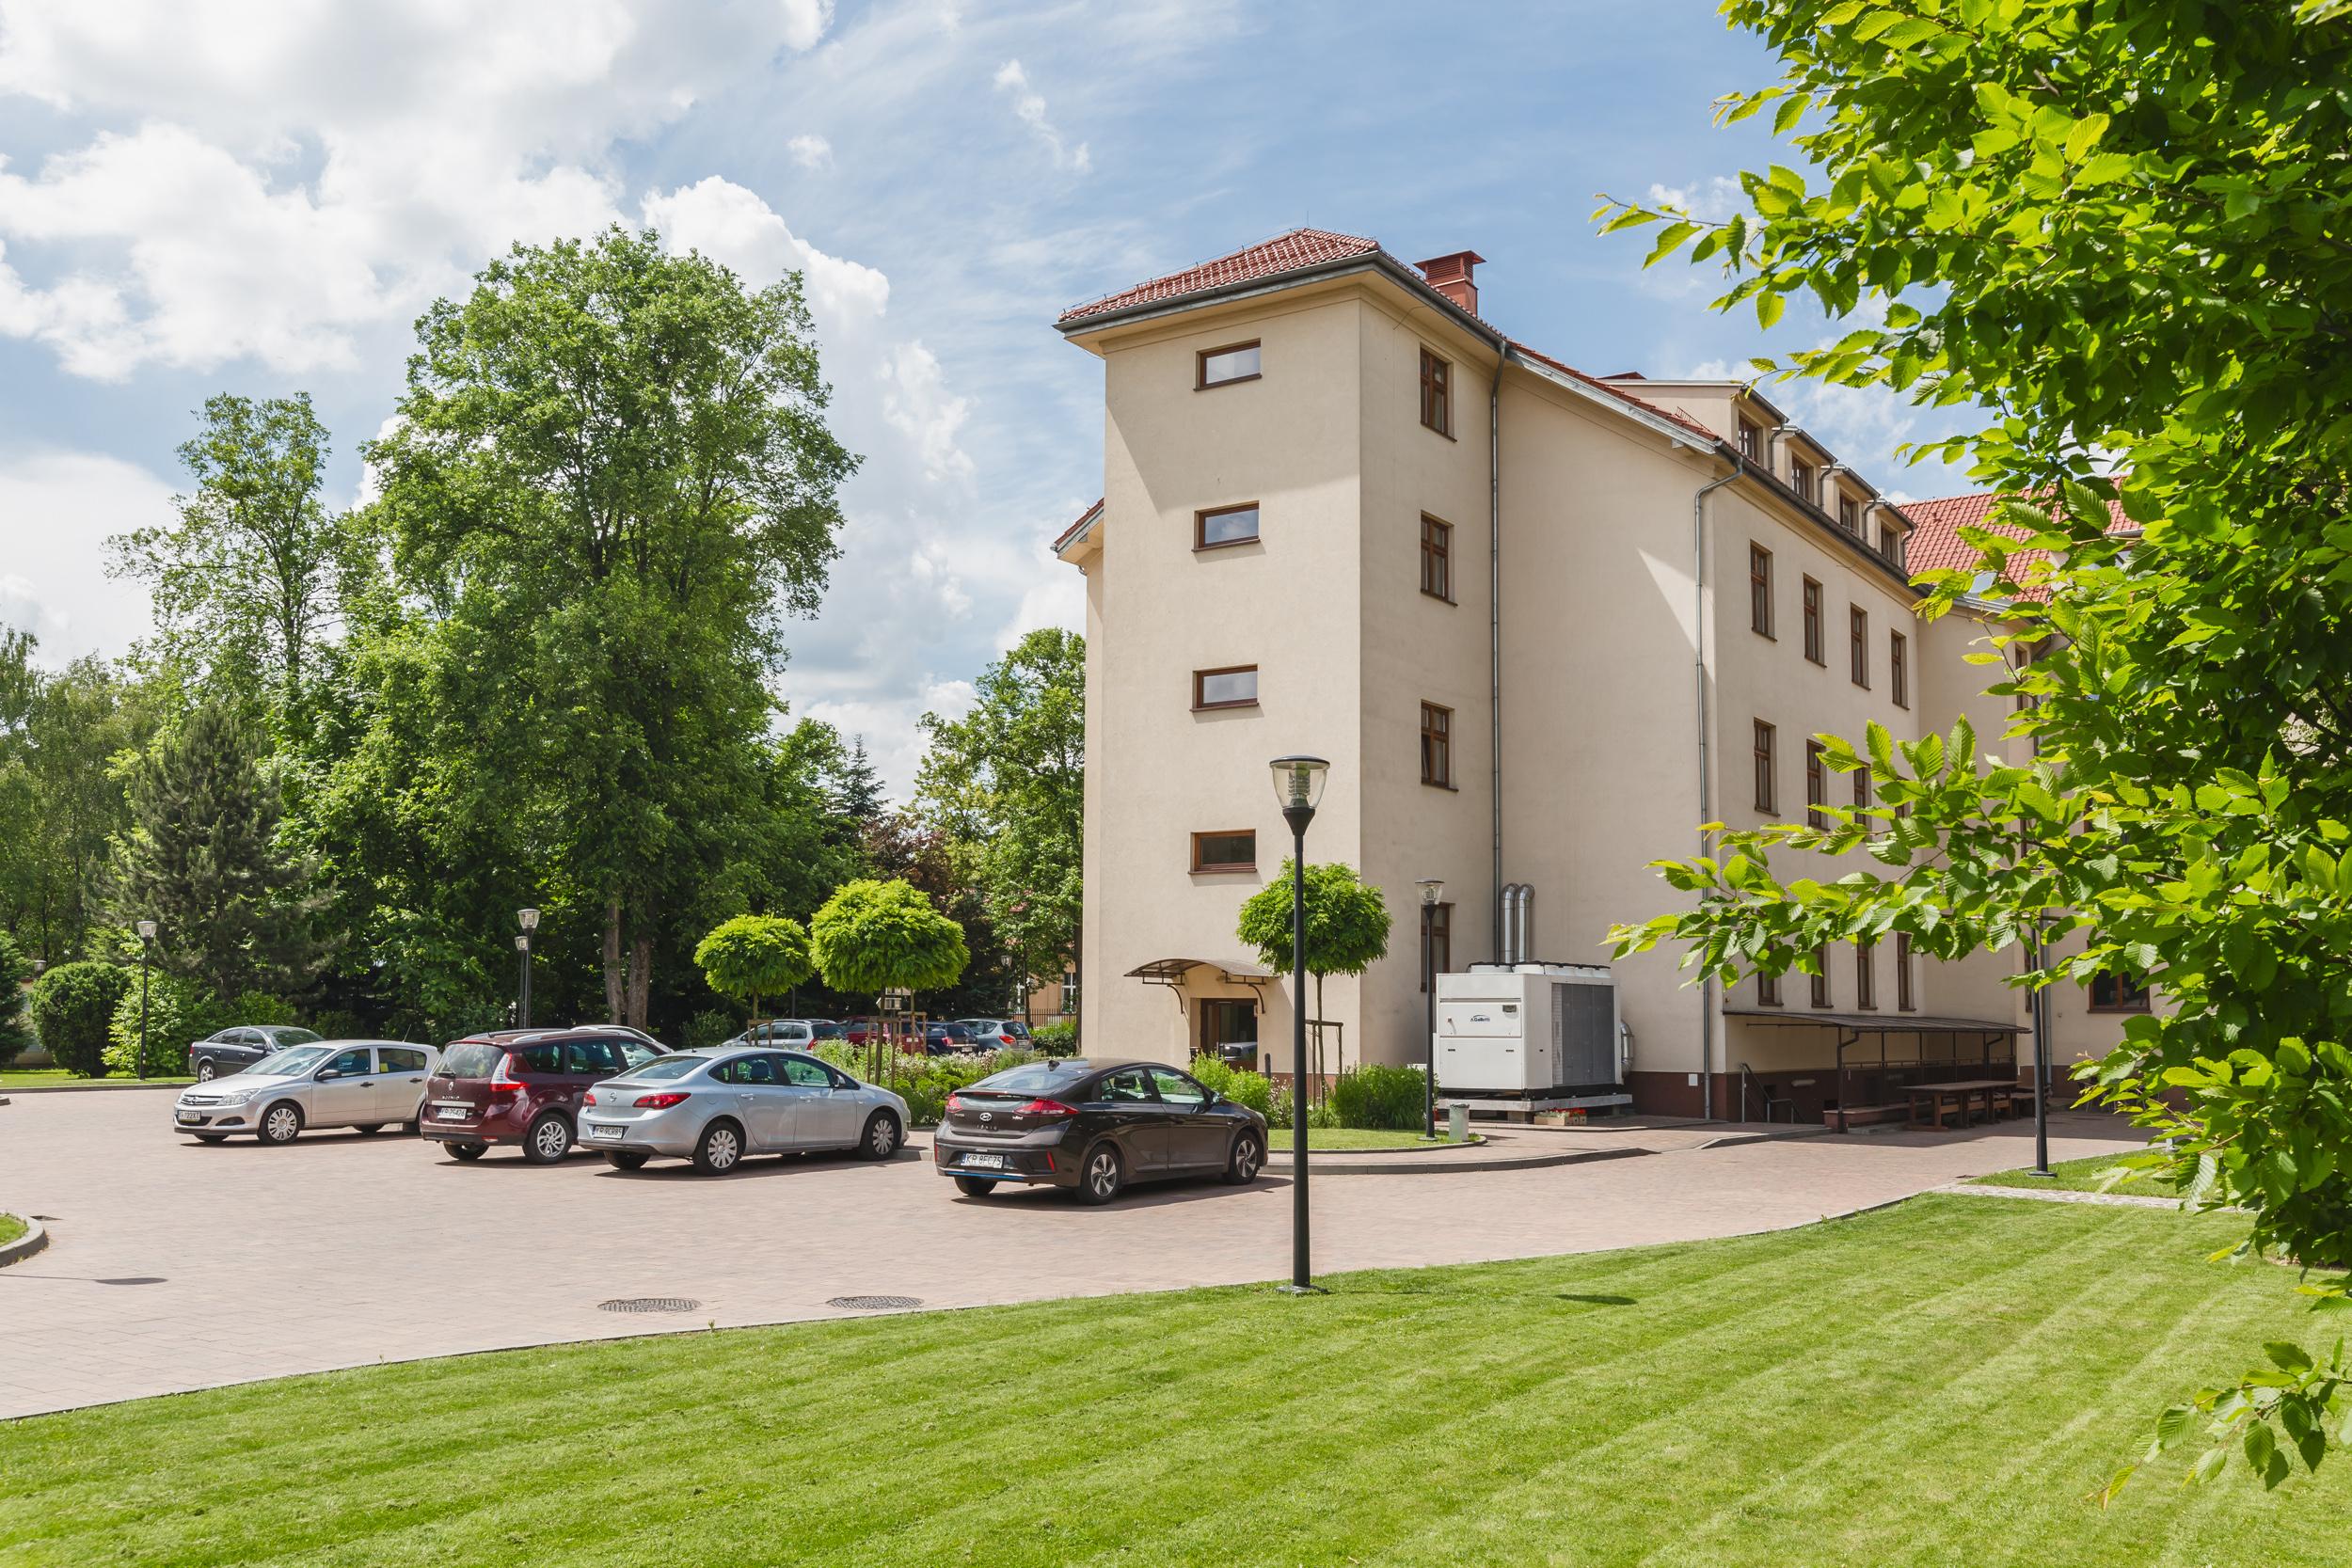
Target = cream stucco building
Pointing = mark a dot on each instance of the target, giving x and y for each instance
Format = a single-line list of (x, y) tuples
[(1542, 623)]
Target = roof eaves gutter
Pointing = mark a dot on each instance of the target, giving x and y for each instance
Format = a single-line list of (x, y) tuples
[(1370, 260), (1078, 536), (1671, 430)]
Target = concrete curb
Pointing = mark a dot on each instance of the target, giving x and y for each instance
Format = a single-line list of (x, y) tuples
[(99, 1085), (1417, 1163), (34, 1239), (2060, 1195)]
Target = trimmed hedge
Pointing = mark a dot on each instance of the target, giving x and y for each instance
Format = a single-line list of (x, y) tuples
[(1384, 1098), (73, 1005)]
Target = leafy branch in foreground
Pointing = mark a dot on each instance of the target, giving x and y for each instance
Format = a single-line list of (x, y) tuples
[(2124, 229)]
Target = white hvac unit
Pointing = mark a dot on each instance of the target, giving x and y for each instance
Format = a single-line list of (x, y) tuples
[(1527, 1029)]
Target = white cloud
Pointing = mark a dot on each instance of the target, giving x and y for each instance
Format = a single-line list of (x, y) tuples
[(811, 152), (1713, 199), (273, 180), (56, 509), (919, 405), (1029, 106)]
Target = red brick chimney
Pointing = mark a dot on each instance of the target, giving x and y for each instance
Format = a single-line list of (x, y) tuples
[(1451, 277)]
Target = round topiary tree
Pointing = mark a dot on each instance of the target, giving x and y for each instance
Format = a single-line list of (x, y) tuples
[(15, 968), (1348, 926), (73, 1005), (874, 936), (754, 955)]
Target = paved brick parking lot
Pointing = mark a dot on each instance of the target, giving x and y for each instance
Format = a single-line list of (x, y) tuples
[(175, 1266)]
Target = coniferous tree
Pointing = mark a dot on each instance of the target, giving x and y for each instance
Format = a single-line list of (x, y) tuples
[(234, 910)]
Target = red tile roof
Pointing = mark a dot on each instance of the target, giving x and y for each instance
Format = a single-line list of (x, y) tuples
[(1075, 529), (1300, 247), (1935, 544)]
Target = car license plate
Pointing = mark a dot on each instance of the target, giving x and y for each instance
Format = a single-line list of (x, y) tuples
[(449, 1112), (984, 1161), (603, 1130), (191, 1116)]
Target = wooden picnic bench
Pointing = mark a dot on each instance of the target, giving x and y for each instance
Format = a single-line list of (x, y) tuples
[(1935, 1100)]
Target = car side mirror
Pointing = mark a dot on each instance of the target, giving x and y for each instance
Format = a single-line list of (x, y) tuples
[(326, 1072)]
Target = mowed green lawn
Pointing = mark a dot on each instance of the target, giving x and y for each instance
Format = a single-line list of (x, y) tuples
[(2083, 1176), (54, 1077), (1942, 1382)]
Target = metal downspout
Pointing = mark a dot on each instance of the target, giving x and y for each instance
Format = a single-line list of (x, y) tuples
[(1707, 796), (1494, 625)]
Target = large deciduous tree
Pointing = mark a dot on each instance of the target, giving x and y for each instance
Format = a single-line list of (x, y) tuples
[(610, 482), (2124, 227), (62, 736), (1007, 781)]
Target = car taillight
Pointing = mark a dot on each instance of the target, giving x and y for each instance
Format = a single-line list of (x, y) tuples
[(955, 1103), (1048, 1108), (504, 1080), (658, 1102), (588, 1098)]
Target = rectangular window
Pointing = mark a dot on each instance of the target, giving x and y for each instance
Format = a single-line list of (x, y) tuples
[(1866, 979), (1850, 514), (1858, 644), (1437, 394), (1899, 667), (1891, 543), (1813, 649), (1070, 991), (1766, 797), (2117, 994), (1751, 440), (1861, 788), (2020, 663), (1225, 525), (1437, 558), (1440, 955), (1906, 998), (1801, 477), (1767, 991), (1225, 852), (1233, 686), (1436, 745), (1816, 786), (1820, 975), (1759, 590), (1222, 367)]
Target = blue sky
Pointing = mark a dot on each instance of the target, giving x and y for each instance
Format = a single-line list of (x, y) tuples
[(260, 195)]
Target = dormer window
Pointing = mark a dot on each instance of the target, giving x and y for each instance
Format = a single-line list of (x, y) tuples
[(1850, 516), (1800, 479), (1891, 543), (1751, 440)]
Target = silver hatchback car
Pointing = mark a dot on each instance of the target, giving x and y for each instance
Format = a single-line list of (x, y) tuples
[(362, 1084), (717, 1106)]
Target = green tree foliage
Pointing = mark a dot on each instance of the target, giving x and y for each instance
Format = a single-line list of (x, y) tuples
[(246, 581), (201, 859), (63, 738), (15, 1020), (876, 936), (1007, 782), (610, 482), (73, 1005), (1347, 923), (754, 956), (2122, 230)]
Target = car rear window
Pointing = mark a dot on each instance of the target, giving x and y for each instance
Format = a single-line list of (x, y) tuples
[(472, 1059), (1034, 1078), (664, 1067)]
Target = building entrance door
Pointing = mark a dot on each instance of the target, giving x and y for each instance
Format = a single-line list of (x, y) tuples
[(1228, 1032)]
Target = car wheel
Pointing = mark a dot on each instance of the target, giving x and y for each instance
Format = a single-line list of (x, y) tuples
[(1247, 1159), (720, 1148), (882, 1136), (369, 1131), (1102, 1175), (212, 1137), (206, 1071), (976, 1186), (464, 1151), (626, 1159), (282, 1123), (548, 1140)]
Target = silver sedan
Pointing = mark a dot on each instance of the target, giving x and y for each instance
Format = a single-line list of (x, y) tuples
[(717, 1106)]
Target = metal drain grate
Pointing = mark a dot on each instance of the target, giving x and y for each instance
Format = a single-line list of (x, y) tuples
[(650, 1303), (874, 1303)]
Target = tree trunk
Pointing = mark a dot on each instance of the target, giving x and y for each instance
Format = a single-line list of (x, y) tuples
[(613, 958), (640, 979)]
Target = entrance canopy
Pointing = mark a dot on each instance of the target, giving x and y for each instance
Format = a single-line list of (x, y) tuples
[(1174, 972)]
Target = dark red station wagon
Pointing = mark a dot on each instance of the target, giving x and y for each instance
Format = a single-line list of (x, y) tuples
[(523, 1086)]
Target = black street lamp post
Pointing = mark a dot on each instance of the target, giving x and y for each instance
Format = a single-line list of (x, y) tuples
[(529, 920), (147, 935), (1298, 785), (1432, 890)]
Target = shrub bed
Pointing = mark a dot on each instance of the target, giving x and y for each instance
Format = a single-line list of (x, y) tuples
[(73, 1005), (1388, 1098)]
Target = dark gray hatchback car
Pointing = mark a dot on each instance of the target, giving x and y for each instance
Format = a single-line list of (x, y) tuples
[(1093, 1127), (234, 1049)]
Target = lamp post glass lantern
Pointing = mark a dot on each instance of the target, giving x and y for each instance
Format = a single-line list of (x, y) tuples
[(147, 934), (1299, 786), (1432, 894), (529, 921)]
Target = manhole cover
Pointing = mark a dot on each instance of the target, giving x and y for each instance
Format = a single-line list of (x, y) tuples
[(873, 1304), (650, 1303)]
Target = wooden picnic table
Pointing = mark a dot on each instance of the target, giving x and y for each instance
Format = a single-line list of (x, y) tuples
[(1934, 1096)]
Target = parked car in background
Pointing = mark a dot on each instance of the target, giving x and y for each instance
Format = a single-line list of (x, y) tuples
[(525, 1086), (778, 1032), (999, 1034), (367, 1085), (238, 1047), (717, 1107), (950, 1039), (1093, 1127)]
